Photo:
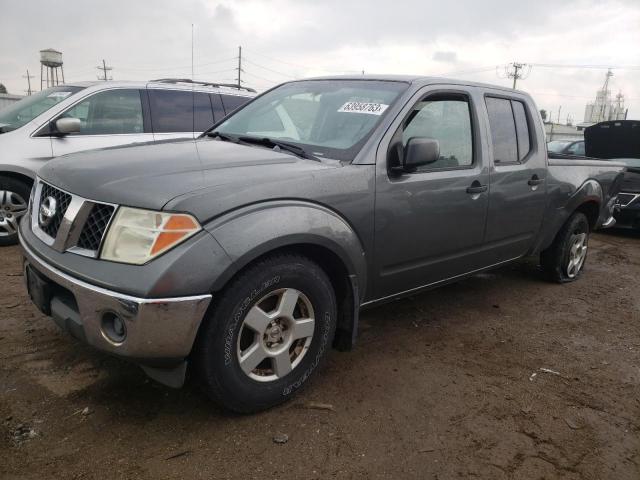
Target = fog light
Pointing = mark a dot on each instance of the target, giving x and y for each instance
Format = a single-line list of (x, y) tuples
[(113, 328)]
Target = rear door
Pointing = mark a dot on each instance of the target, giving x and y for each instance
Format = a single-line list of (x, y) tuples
[(518, 176), (179, 113), (429, 224), (108, 118)]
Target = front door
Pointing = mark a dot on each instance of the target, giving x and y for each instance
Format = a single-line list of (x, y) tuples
[(429, 224), (108, 118)]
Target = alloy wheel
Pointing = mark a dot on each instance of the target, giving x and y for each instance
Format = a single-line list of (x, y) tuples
[(275, 335), (577, 254), (12, 207)]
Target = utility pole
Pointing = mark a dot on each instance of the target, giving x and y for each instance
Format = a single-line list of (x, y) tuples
[(559, 110), (104, 69), (239, 79), (28, 77), (517, 71)]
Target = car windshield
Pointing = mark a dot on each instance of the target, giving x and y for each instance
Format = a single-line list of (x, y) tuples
[(25, 110), (557, 146), (328, 118)]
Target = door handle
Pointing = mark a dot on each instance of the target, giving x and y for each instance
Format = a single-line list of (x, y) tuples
[(476, 188), (535, 181)]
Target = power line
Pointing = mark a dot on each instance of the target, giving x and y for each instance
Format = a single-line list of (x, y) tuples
[(174, 67), (284, 62), (596, 67), (269, 69), (469, 72), (263, 78)]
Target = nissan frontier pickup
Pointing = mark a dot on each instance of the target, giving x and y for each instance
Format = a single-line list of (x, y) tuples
[(243, 257)]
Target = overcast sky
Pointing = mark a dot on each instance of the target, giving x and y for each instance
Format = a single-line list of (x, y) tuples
[(285, 39)]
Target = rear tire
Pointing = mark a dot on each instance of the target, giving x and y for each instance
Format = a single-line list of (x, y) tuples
[(14, 197), (564, 260), (267, 333)]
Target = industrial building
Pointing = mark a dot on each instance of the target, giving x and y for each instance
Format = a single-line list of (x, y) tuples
[(605, 107)]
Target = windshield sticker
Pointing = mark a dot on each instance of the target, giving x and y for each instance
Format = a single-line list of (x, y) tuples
[(59, 94), (364, 107)]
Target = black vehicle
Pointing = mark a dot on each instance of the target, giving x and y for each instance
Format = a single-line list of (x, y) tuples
[(620, 141)]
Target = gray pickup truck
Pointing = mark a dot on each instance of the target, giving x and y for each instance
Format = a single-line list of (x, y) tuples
[(248, 253)]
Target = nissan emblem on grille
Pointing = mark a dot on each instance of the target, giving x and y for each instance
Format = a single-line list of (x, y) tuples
[(48, 209)]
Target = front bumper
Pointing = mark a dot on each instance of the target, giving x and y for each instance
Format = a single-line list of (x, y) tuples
[(159, 331)]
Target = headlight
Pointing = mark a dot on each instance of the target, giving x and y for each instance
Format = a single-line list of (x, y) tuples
[(136, 236)]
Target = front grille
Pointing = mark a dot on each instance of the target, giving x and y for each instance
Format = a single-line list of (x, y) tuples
[(95, 226), (62, 200), (625, 199)]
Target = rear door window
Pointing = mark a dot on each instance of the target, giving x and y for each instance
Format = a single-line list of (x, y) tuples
[(503, 130), (202, 113), (233, 102), (171, 110), (522, 129)]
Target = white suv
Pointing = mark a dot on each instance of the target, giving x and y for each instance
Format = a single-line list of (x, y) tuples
[(83, 116)]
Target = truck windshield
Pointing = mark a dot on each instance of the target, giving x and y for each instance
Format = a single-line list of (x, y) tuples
[(25, 110), (328, 118)]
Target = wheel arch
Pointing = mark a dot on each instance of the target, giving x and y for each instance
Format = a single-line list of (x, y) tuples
[(20, 176), (587, 199), (312, 230), (591, 209)]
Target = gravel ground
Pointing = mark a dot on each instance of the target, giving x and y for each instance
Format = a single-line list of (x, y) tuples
[(500, 376)]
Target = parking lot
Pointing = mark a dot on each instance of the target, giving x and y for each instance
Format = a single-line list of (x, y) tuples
[(500, 376)]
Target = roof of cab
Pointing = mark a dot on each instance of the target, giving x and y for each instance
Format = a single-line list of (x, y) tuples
[(418, 80)]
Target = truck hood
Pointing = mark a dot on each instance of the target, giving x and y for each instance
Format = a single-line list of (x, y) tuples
[(149, 176)]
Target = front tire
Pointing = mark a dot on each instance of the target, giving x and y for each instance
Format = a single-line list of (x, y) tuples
[(267, 334), (564, 260), (14, 198)]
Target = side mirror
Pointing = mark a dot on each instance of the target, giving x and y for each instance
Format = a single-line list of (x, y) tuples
[(420, 151), (67, 125)]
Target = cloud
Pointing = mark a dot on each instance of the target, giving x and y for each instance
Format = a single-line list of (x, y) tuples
[(445, 57), (284, 39)]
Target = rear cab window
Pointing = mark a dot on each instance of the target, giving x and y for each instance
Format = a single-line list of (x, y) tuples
[(510, 130)]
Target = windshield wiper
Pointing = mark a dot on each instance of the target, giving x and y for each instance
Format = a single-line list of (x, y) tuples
[(289, 147), (222, 136)]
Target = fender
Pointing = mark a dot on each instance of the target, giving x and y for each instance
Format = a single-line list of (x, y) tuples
[(17, 169), (589, 192), (249, 232)]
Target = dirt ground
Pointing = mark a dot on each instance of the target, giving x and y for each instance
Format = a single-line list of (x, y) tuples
[(500, 376)]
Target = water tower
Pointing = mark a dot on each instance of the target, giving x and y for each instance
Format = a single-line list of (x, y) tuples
[(50, 65)]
